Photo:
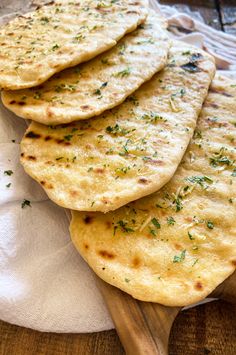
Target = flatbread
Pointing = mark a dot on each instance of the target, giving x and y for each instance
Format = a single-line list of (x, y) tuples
[(62, 34), (89, 89), (175, 246), (128, 152)]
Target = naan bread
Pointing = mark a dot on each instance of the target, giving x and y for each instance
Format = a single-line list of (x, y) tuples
[(175, 246), (104, 82), (128, 152), (62, 34)]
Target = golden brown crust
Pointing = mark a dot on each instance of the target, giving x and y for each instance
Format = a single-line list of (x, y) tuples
[(36, 45), (128, 152), (175, 246), (88, 90)]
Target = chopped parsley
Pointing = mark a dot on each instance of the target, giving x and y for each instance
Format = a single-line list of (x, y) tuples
[(44, 20), (150, 40), (133, 99), (97, 92), (122, 48), (220, 159), (56, 46), (79, 37), (25, 203), (190, 236), (156, 223), (195, 262), (197, 134), (170, 221), (8, 172), (8, 185), (200, 180), (61, 87), (122, 170), (68, 137), (210, 225), (123, 226), (179, 258), (117, 130), (178, 203), (123, 73), (186, 53), (125, 148), (153, 117)]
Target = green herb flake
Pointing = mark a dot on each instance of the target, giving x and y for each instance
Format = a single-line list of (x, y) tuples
[(8, 172), (153, 117), (179, 258), (123, 73), (25, 203), (210, 225), (186, 53), (152, 232), (190, 236), (8, 185), (68, 137), (123, 226), (195, 262), (200, 180), (56, 46), (97, 92), (170, 221), (178, 203), (220, 158), (117, 130), (44, 20), (122, 170), (156, 223)]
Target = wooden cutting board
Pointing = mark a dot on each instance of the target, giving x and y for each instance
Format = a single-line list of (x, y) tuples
[(207, 329)]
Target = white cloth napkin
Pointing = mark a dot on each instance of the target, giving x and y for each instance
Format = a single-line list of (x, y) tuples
[(44, 283)]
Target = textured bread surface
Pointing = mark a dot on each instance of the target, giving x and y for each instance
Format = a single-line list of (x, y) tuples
[(175, 246), (61, 34)]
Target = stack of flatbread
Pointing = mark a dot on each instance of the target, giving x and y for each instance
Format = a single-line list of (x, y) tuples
[(132, 132)]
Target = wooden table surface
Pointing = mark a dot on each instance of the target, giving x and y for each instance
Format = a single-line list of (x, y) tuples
[(207, 329)]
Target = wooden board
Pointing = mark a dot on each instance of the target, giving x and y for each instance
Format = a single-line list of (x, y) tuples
[(207, 329), (228, 15)]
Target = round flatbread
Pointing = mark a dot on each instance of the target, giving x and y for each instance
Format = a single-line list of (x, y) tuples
[(129, 152), (62, 34), (175, 246), (88, 90)]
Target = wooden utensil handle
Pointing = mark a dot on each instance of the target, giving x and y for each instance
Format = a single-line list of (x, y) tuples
[(226, 290), (143, 327)]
